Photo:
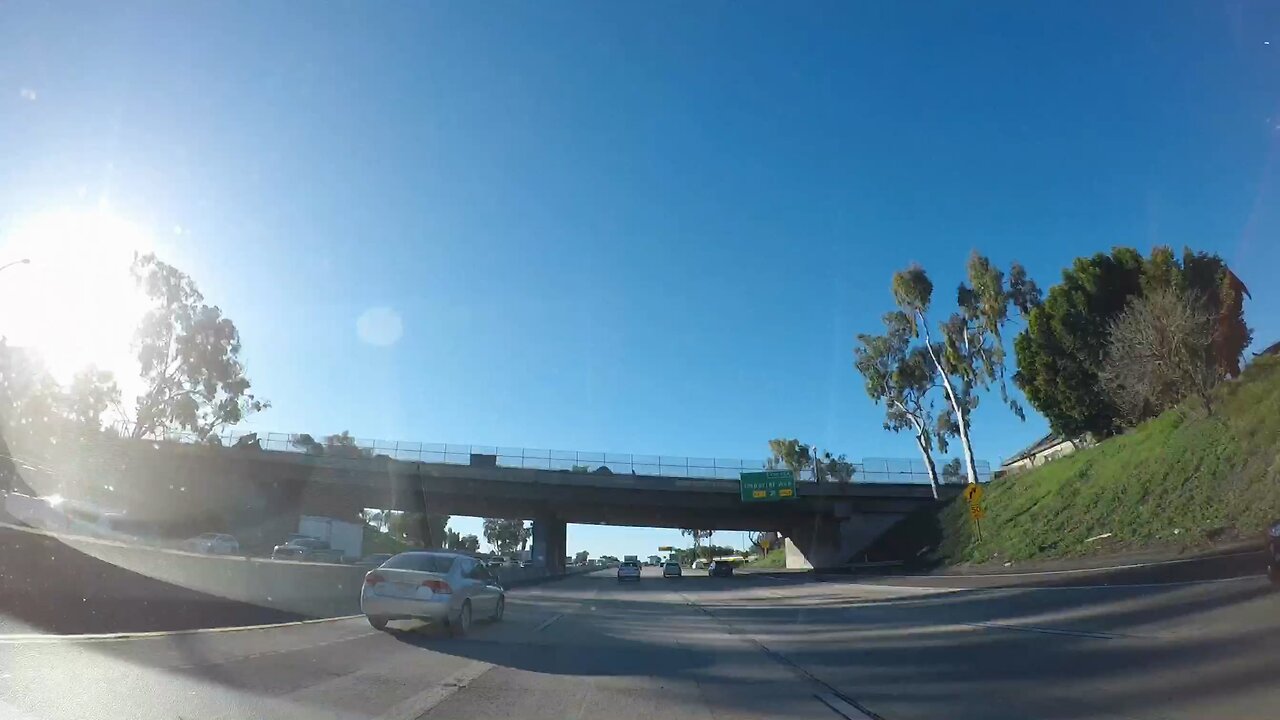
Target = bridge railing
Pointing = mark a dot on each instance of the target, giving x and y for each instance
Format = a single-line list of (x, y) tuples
[(870, 470)]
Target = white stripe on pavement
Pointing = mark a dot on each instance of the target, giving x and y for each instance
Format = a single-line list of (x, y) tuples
[(21, 638), (426, 701), (842, 706)]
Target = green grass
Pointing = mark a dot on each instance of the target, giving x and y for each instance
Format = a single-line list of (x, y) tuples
[(776, 558), (1182, 480)]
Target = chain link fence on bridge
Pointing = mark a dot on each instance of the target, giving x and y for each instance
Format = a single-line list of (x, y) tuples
[(870, 470)]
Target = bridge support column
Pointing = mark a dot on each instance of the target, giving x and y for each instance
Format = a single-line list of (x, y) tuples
[(829, 542), (550, 543)]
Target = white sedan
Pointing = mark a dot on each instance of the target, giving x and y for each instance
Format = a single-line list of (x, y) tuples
[(212, 544), (445, 588)]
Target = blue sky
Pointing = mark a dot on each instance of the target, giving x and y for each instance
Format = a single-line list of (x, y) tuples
[(652, 228)]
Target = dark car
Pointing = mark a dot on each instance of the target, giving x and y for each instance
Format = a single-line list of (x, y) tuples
[(306, 549), (721, 568)]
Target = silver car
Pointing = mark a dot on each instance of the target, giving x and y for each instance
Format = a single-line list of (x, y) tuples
[(440, 587)]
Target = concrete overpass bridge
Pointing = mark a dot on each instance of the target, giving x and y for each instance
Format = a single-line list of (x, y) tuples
[(261, 488)]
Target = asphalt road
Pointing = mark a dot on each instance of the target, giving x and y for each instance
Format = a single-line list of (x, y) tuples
[(745, 647)]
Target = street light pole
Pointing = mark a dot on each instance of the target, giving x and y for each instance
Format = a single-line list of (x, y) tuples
[(23, 261)]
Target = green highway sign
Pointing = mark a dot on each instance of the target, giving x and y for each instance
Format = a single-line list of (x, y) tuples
[(767, 486)]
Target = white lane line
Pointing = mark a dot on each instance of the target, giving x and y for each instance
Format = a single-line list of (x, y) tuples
[(1049, 631), (842, 706), (426, 701), (269, 653), (31, 638), (548, 622), (1077, 571)]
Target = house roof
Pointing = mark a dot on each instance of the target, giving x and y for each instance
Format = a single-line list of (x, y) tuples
[(1273, 349), (1040, 445)]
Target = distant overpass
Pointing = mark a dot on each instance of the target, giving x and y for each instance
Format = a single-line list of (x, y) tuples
[(261, 491)]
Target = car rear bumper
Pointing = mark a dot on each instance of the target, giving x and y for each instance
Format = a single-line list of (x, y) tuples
[(393, 608), (671, 574)]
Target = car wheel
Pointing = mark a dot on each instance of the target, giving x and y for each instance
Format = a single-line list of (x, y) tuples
[(460, 626), (500, 609), (378, 623)]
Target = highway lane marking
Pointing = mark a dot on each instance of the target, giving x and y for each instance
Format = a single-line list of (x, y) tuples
[(548, 622), (269, 653), (33, 638), (1049, 631), (796, 669), (844, 707), (427, 700)]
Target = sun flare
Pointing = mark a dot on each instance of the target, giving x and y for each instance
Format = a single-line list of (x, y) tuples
[(75, 302)]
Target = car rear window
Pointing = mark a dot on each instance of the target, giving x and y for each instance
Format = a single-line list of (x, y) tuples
[(424, 562), (630, 564)]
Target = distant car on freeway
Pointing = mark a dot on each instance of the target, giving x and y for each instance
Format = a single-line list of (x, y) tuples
[(306, 549), (212, 544), (374, 560), (671, 569), (440, 587), (721, 568), (629, 570)]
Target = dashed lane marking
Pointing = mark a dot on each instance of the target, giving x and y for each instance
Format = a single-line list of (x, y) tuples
[(548, 622), (842, 706), (427, 700)]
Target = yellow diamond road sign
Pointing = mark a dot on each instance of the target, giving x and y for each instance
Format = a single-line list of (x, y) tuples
[(973, 493)]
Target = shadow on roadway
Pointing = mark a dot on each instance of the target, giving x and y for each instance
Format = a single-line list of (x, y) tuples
[(1226, 647)]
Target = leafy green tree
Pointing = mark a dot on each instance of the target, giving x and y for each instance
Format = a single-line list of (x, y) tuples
[(791, 454), (91, 393), (902, 377), (307, 444), (698, 536), (970, 356), (763, 542), (408, 527), (503, 535), (581, 556), (36, 412), (952, 472), (469, 543), (1061, 352), (189, 356)]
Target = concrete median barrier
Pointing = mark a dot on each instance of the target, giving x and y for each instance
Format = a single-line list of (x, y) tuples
[(65, 583)]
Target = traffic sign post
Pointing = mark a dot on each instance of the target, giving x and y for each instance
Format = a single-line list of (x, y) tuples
[(973, 493), (975, 510), (767, 486)]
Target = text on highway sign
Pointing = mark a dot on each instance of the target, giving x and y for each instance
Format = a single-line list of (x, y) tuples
[(767, 486)]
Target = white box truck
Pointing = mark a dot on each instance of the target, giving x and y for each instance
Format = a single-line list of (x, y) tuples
[(347, 537)]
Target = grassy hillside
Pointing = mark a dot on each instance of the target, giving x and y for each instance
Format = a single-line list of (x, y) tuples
[(776, 558), (1178, 481)]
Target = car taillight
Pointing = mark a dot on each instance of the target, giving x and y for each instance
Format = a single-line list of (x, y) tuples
[(438, 587), (372, 578)]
